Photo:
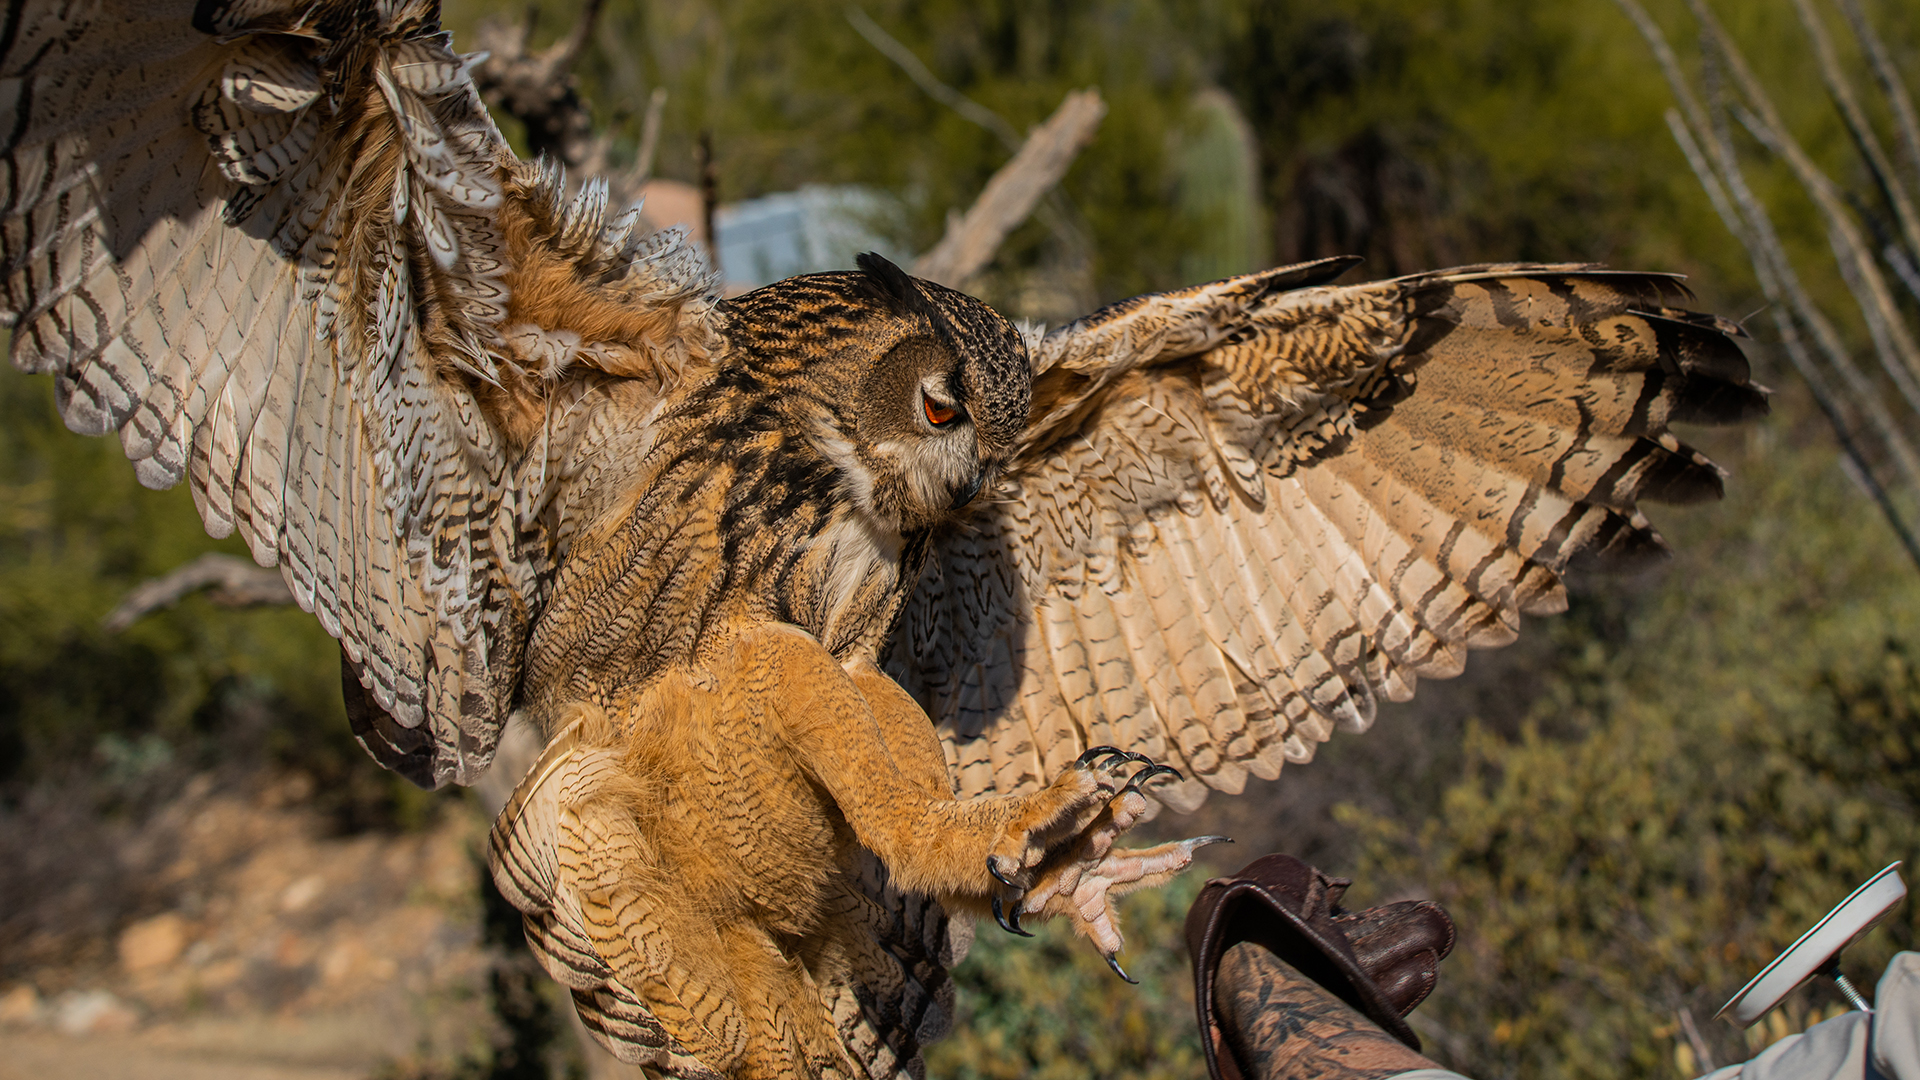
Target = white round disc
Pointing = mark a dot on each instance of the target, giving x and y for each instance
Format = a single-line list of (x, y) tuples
[(1804, 957)]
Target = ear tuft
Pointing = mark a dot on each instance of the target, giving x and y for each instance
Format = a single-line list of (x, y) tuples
[(892, 283)]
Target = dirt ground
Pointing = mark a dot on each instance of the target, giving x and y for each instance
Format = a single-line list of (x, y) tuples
[(232, 935)]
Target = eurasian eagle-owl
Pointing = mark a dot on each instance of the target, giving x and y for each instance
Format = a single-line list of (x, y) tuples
[(842, 605)]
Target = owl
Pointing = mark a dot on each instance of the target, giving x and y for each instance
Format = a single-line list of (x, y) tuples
[(849, 612)]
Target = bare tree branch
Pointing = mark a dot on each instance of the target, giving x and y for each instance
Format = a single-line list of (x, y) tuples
[(1902, 351), (1899, 102), (538, 88), (566, 52), (928, 81), (973, 237), (1793, 345), (234, 582), (1718, 168), (649, 138), (709, 198), (1053, 210), (1701, 1054), (1878, 164)]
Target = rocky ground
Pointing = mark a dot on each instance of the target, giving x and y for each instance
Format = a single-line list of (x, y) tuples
[(235, 932)]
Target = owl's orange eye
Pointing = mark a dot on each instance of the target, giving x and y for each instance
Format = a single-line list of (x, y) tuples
[(937, 414)]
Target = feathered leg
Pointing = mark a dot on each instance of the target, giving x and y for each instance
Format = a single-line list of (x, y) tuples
[(1048, 853), (586, 850)]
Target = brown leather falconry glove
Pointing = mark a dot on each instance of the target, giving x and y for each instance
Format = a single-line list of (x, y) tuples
[(1382, 961)]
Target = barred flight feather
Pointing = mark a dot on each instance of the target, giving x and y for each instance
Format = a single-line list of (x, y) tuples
[(1247, 510), (260, 267)]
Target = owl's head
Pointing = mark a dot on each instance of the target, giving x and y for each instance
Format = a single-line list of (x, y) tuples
[(915, 393)]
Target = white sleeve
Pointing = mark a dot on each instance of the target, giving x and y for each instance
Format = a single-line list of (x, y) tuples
[(1833, 1050), (1896, 1019)]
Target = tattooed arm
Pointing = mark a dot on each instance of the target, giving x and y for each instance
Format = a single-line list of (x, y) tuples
[(1283, 1026)]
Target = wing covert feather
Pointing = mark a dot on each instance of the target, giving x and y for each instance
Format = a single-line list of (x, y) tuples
[(1246, 511)]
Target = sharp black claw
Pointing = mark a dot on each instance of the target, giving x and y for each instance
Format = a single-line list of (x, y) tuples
[(1000, 916), (1118, 970), (1149, 773), (1203, 841), (1095, 753), (1010, 925), (1015, 920), (994, 869)]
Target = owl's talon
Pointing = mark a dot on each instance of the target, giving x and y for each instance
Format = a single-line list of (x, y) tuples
[(993, 867), (1011, 926), (1097, 753), (1144, 775), (1118, 970)]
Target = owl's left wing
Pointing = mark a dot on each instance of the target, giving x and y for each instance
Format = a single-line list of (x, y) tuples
[(1246, 510), (281, 249)]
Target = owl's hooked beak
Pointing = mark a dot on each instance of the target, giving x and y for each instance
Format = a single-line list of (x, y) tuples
[(965, 495)]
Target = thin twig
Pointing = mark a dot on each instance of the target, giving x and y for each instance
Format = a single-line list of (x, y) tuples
[(1825, 398), (1903, 267), (1746, 218), (1700, 1051), (709, 198), (1905, 121), (1826, 195), (649, 135), (1891, 340), (568, 50), (1054, 210), (1878, 164), (1877, 325), (905, 59), (1773, 266), (232, 581), (1696, 115)]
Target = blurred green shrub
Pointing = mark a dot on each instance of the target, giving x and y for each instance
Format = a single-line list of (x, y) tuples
[(193, 687), (1048, 1008)]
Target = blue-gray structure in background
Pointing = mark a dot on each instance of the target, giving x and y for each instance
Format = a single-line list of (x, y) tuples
[(801, 232)]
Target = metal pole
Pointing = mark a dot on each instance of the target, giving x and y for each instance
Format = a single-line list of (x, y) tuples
[(1831, 969)]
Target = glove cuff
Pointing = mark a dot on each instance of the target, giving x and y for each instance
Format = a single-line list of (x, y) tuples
[(1289, 908)]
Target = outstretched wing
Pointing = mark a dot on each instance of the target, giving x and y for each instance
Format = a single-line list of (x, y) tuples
[(1247, 510), (279, 246)]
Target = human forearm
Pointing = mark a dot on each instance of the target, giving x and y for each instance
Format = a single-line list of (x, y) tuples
[(1281, 1026)]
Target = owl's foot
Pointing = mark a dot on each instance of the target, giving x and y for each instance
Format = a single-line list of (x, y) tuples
[(1096, 786), (1082, 886), (1058, 858)]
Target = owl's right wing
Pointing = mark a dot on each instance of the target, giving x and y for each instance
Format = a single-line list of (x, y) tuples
[(281, 249), (1247, 510)]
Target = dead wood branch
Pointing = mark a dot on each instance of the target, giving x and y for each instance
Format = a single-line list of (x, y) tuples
[(1900, 355), (649, 138), (229, 581), (538, 88), (1013, 192), (1844, 99), (1051, 207)]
